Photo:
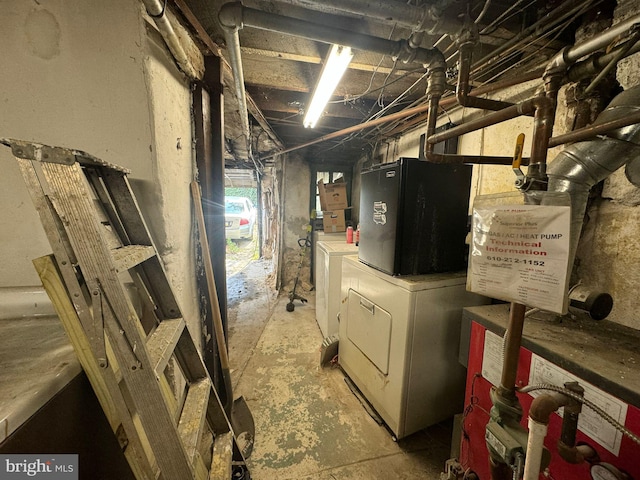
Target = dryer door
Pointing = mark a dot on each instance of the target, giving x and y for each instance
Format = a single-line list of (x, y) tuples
[(369, 329)]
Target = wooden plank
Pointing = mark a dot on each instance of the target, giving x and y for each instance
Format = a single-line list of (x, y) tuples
[(102, 380), (127, 337), (222, 456), (193, 416), (131, 255), (163, 341)]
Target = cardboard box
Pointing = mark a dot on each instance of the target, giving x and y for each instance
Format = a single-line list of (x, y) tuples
[(333, 221), (333, 196)]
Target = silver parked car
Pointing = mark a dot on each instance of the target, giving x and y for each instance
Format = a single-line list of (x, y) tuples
[(239, 217)]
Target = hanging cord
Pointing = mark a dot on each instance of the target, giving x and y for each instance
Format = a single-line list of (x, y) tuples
[(617, 425)]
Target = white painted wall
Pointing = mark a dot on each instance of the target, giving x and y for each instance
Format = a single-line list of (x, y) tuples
[(92, 75)]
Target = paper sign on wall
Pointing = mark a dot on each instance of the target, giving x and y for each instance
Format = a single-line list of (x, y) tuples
[(519, 253)]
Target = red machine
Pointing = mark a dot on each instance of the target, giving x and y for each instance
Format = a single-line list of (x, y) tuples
[(601, 356)]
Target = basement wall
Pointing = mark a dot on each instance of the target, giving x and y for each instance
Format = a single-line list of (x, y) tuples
[(95, 76), (608, 257), (295, 217), (609, 252)]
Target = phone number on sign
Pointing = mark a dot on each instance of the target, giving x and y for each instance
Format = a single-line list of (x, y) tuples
[(536, 263)]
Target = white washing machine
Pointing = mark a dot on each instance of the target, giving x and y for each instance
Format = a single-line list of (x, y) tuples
[(399, 339), (321, 236), (328, 268)]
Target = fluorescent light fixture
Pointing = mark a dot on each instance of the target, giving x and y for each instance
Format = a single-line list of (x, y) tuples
[(335, 66)]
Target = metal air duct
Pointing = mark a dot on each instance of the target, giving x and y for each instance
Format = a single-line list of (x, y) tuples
[(581, 165)]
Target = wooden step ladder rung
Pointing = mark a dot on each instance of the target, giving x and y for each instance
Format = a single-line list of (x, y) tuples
[(193, 416), (129, 256), (222, 457), (162, 343)]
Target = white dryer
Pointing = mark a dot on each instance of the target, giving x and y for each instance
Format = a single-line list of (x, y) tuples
[(399, 341)]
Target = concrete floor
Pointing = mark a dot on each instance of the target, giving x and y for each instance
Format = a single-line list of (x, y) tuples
[(308, 423)]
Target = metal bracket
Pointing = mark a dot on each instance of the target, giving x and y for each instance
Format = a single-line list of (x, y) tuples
[(108, 314), (39, 152), (97, 338)]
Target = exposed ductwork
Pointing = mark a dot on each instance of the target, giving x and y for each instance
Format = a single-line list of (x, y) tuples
[(581, 165)]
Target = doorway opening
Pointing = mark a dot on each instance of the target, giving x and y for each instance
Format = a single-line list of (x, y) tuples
[(242, 220)]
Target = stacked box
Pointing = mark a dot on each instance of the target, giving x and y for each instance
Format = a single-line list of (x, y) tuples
[(333, 201)]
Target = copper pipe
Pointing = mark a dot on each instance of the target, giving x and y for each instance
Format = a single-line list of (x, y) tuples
[(542, 127), (536, 74), (500, 116), (409, 112), (544, 405), (513, 338), (544, 110), (577, 454), (463, 89), (594, 130), (472, 159), (431, 121)]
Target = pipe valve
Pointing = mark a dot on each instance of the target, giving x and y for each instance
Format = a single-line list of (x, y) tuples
[(517, 161)]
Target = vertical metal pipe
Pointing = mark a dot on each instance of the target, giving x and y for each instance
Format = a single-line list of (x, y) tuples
[(513, 338), (463, 88), (432, 119), (233, 47), (542, 127)]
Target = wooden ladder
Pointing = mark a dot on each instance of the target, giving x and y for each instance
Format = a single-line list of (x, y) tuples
[(135, 347)]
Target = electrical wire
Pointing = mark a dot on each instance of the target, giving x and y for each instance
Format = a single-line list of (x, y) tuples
[(533, 31), (556, 28), (587, 403), (356, 97), (364, 133), (504, 16), (398, 98), (377, 114), (474, 402), (484, 11)]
